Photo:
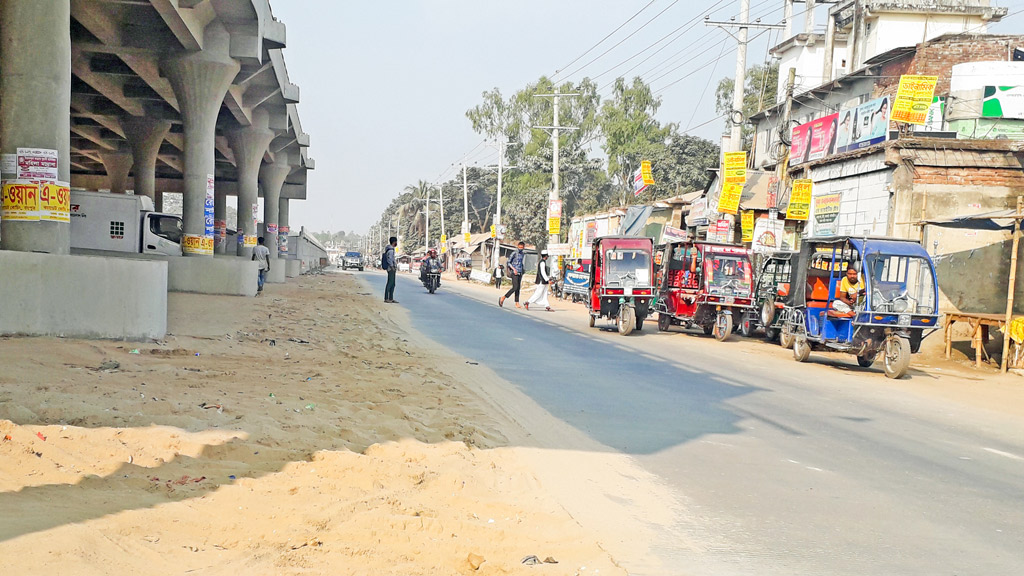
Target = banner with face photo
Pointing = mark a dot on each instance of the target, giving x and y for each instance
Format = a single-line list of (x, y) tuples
[(863, 126), (814, 140)]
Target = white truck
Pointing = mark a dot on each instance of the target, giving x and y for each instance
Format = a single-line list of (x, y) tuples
[(107, 222)]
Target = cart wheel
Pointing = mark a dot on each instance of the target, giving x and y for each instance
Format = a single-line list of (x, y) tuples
[(708, 329), (771, 334), (786, 338), (747, 326), (664, 322), (722, 327), (592, 319), (866, 360), (801, 349), (897, 356), (626, 320)]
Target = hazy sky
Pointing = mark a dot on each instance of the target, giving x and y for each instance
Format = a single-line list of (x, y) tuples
[(385, 85)]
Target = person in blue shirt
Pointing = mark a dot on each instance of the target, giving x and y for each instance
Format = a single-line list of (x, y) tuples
[(392, 269), (515, 274)]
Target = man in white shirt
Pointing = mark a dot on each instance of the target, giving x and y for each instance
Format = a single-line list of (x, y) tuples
[(261, 255), (540, 293)]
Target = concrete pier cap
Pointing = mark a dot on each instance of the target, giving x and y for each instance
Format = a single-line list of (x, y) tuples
[(249, 145), (145, 135), (200, 81), (118, 164)]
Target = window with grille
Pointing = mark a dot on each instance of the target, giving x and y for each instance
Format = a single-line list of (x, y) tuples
[(116, 230)]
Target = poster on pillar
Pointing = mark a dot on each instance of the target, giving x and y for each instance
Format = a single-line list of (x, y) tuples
[(197, 244), (282, 240), (37, 164), (55, 202), (221, 227), (20, 201), (208, 206)]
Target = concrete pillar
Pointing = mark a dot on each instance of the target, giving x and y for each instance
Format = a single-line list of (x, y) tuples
[(158, 201), (200, 80), (249, 145), (282, 228), (272, 177), (118, 164), (35, 96), (220, 222), (145, 135)]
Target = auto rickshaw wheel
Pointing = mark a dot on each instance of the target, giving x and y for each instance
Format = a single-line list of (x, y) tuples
[(897, 356), (771, 334), (664, 322), (801, 349), (767, 312), (722, 327), (626, 320), (747, 326), (786, 339), (708, 329), (639, 323), (866, 360), (592, 320)]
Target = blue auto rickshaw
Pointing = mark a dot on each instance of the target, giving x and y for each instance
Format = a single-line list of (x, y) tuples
[(896, 302)]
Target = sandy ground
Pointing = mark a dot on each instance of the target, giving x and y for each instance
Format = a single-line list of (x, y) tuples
[(308, 431)]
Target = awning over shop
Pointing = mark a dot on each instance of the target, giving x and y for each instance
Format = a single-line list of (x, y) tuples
[(994, 220)]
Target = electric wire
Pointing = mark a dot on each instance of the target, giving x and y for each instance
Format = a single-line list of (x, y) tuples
[(601, 41)]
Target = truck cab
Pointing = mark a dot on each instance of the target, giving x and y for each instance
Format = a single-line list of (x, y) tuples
[(106, 222)]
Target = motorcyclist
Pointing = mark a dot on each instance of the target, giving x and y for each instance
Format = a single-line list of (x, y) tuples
[(430, 262)]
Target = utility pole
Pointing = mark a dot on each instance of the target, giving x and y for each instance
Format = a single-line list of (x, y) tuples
[(465, 203), (440, 204), (736, 118), (555, 143), (497, 213), (426, 237)]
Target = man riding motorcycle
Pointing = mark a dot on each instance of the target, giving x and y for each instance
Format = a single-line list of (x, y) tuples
[(429, 263)]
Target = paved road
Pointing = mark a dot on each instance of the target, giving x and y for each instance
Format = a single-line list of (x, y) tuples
[(788, 469)]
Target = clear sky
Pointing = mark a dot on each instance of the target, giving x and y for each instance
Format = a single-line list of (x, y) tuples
[(385, 84)]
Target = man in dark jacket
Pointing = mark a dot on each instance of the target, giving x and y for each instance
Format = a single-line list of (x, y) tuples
[(516, 263), (392, 269)]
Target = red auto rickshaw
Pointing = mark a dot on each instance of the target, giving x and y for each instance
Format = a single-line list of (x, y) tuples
[(621, 285), (704, 284)]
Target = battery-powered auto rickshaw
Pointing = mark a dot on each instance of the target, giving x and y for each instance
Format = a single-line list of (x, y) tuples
[(704, 284), (620, 281), (771, 288), (894, 298), (463, 267)]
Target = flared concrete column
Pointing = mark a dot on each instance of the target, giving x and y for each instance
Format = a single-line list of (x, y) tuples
[(249, 145), (158, 201), (220, 222), (272, 177), (35, 96), (118, 164), (282, 228), (145, 135), (200, 80)]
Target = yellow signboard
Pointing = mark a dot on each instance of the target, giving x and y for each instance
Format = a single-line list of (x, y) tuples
[(734, 168), (799, 200), (554, 225), (747, 225), (466, 238), (55, 202), (729, 200), (645, 172), (444, 238), (20, 201), (249, 241), (913, 99), (197, 244), (494, 231)]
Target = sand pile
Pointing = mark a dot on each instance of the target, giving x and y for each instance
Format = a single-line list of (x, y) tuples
[(298, 433)]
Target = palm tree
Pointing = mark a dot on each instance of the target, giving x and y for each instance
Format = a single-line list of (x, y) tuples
[(413, 211)]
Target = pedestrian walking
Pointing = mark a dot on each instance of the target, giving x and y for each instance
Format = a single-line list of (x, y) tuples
[(389, 264), (499, 273), (261, 255), (540, 293), (515, 274)]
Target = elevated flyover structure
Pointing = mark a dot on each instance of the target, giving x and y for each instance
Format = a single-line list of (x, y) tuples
[(151, 96)]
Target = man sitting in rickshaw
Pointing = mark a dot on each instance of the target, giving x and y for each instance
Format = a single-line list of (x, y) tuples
[(850, 290)]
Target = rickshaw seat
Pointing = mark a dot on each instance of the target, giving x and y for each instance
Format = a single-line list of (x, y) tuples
[(817, 304), (838, 314), (817, 288)]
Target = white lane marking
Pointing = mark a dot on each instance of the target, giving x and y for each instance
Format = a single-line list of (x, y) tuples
[(793, 461), (813, 468), (1001, 453)]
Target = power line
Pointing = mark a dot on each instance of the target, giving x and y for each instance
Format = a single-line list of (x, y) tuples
[(589, 50), (711, 77)]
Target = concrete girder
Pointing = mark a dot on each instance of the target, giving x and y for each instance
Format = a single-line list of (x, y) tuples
[(117, 164), (186, 19), (96, 181), (145, 135), (200, 81), (92, 134), (111, 87), (249, 144)]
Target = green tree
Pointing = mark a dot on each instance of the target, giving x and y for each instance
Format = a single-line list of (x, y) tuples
[(758, 94), (631, 133)]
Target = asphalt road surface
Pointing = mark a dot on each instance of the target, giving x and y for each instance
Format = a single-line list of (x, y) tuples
[(786, 468)]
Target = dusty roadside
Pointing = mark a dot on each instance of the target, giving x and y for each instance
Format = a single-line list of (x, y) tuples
[(304, 432)]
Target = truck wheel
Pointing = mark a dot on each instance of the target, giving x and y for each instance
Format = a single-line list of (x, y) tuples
[(722, 327), (626, 320), (801, 350), (897, 356), (664, 322)]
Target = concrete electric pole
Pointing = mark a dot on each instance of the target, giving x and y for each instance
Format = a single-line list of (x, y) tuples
[(465, 203), (555, 143), (736, 118)]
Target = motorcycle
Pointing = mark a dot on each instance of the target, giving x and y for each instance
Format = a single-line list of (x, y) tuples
[(432, 277)]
